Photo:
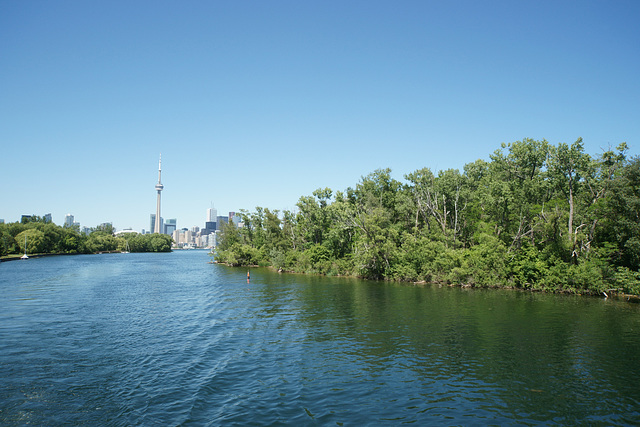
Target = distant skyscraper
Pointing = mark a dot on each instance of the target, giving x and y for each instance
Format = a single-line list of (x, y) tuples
[(159, 187), (210, 223), (68, 220), (152, 222), (47, 218), (212, 214), (170, 226)]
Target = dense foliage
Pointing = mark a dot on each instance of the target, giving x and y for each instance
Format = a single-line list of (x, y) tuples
[(44, 237), (535, 216)]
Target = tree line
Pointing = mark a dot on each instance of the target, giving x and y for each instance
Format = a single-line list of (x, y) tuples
[(43, 237), (535, 216)]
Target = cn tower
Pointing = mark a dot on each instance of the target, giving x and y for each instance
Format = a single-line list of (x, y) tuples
[(159, 187)]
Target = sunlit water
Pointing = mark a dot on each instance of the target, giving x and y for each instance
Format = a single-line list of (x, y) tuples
[(168, 339)]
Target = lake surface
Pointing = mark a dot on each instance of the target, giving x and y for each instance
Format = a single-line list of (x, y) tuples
[(168, 339)]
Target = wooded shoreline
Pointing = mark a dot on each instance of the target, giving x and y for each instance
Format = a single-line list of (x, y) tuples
[(42, 237), (18, 257), (536, 216), (632, 298)]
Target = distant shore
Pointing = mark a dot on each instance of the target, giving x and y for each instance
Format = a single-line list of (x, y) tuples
[(18, 257)]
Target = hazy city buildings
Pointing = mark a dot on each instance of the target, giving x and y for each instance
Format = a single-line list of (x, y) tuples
[(185, 238), (201, 238), (68, 220), (170, 226)]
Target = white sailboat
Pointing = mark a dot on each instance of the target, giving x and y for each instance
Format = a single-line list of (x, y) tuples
[(25, 248), (126, 249)]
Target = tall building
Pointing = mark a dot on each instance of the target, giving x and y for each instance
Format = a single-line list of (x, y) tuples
[(47, 218), (152, 222), (212, 214), (158, 227), (210, 223), (68, 220), (170, 226), (209, 227)]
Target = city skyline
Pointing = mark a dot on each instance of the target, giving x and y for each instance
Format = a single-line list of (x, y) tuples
[(154, 227), (261, 103)]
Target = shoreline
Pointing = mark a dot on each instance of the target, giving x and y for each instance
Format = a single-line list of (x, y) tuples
[(17, 257), (631, 298)]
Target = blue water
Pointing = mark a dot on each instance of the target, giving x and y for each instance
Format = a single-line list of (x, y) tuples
[(168, 339)]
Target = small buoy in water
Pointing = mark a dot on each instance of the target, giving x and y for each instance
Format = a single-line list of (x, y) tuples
[(248, 276)]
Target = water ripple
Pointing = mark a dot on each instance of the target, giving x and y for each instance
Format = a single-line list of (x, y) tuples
[(167, 339)]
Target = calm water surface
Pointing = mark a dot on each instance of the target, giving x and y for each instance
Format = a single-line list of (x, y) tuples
[(168, 339)]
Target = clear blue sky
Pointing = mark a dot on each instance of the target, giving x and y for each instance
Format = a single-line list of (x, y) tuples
[(256, 103)]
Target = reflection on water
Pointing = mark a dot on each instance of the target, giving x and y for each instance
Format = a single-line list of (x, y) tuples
[(169, 339)]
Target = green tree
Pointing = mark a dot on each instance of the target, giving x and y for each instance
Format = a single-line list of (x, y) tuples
[(8, 244), (518, 189), (70, 241), (273, 236), (371, 213), (313, 217), (442, 199), (621, 223), (229, 236), (106, 228), (290, 229), (34, 239), (99, 241), (569, 165), (159, 243)]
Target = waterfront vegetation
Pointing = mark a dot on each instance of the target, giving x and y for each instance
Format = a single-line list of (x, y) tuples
[(535, 216), (43, 237)]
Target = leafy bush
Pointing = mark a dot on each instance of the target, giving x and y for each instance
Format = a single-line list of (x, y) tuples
[(526, 268), (627, 280), (485, 263)]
